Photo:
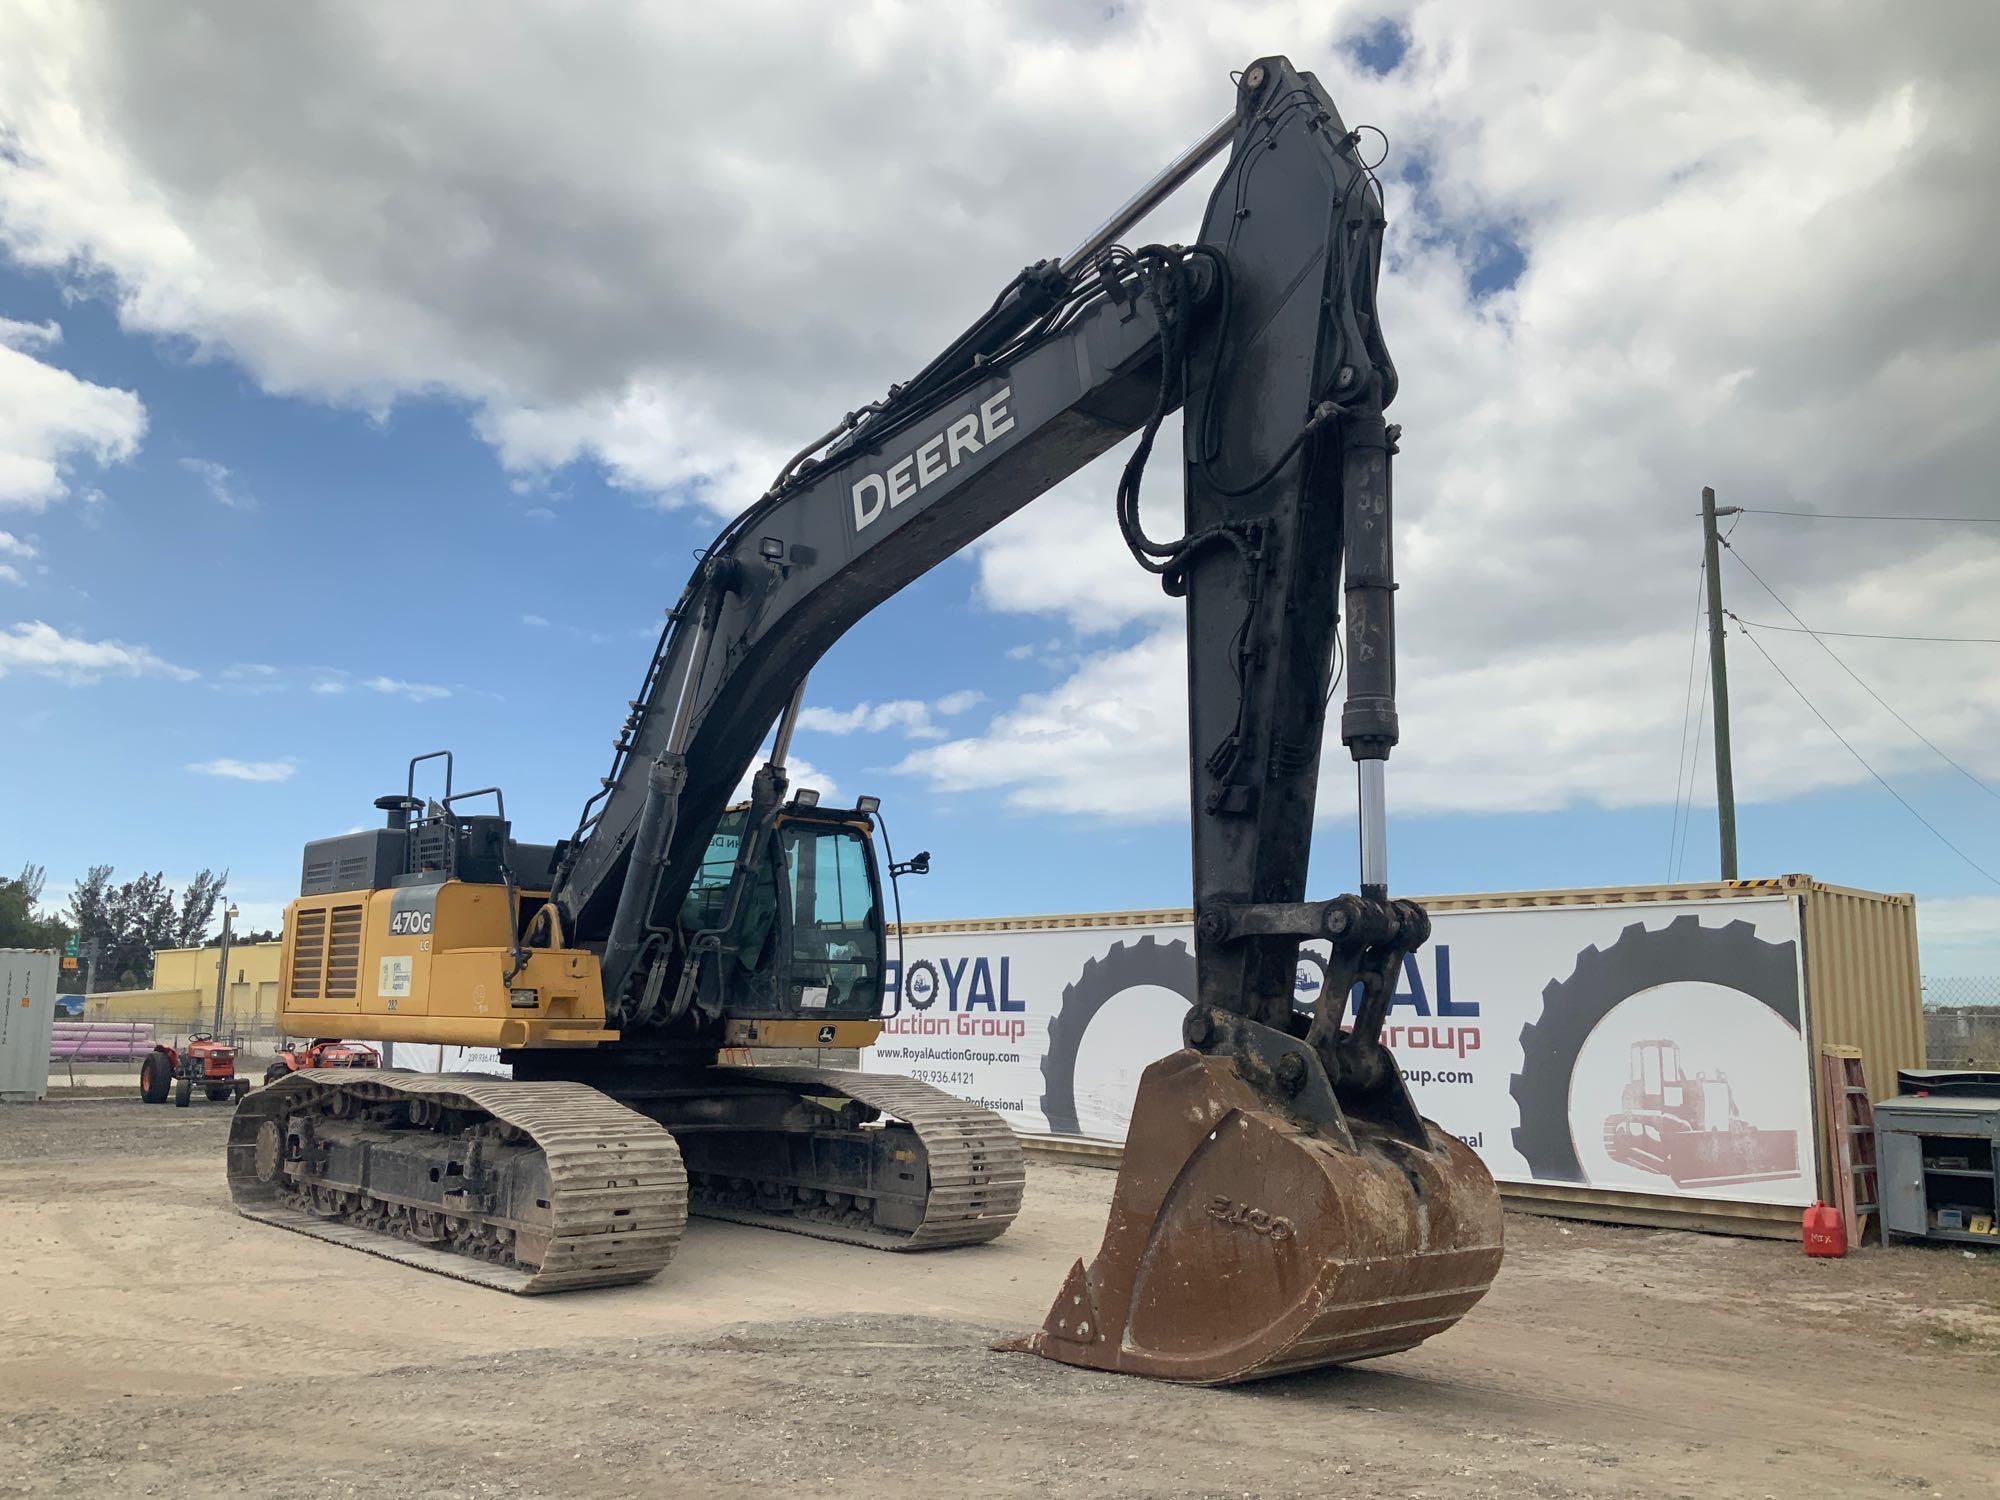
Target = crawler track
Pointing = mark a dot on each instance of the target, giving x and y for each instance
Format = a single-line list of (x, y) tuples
[(611, 1210), (977, 1171)]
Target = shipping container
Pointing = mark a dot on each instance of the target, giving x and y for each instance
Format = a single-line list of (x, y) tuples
[(27, 1021), (1640, 1054)]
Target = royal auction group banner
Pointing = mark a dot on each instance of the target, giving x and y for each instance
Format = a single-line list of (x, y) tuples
[(1653, 1048)]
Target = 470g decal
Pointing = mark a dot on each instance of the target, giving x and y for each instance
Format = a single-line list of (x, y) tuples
[(409, 923)]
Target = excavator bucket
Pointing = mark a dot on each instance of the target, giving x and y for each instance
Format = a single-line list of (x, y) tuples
[(1245, 1241)]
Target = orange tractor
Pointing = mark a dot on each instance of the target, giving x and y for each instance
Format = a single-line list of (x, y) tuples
[(321, 1052), (204, 1061)]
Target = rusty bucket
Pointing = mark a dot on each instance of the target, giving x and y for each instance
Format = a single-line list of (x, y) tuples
[(1247, 1239)]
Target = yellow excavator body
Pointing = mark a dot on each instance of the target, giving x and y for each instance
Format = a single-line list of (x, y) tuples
[(435, 963)]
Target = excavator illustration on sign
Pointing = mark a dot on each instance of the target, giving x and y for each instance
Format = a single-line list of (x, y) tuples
[(1281, 1205), (1687, 1128)]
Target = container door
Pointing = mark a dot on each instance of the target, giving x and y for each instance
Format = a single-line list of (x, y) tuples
[(1902, 1174)]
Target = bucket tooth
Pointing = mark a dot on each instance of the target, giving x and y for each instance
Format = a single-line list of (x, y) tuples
[(1073, 1319), (1246, 1241)]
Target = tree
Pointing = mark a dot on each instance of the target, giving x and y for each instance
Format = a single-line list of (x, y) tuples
[(20, 927), (129, 921), (197, 906), (88, 905)]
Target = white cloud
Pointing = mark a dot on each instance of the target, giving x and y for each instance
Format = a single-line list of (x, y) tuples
[(10, 574), (1597, 721), (959, 702), (567, 298), (231, 769), (34, 646), (219, 482), (1672, 327), (49, 419), (1706, 201), (1111, 740), (1959, 935), (537, 622), (249, 677), (416, 692), (332, 682), (13, 546), (916, 718), (26, 336)]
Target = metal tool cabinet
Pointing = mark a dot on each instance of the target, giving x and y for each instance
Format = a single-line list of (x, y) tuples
[(1939, 1148)]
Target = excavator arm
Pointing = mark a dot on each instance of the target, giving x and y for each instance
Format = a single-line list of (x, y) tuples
[(1266, 328)]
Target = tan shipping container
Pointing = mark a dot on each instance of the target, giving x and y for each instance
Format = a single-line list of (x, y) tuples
[(1861, 989)]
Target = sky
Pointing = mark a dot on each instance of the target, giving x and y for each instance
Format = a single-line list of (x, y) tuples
[(369, 382)]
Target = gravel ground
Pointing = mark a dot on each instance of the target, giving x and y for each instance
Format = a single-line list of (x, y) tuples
[(153, 1343)]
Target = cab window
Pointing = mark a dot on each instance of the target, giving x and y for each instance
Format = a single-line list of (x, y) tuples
[(836, 936), (707, 900)]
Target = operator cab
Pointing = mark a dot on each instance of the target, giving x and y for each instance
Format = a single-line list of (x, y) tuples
[(805, 938)]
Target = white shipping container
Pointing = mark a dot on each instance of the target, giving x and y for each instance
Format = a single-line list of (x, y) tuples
[(27, 1022)]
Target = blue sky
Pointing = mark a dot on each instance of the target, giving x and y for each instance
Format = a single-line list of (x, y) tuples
[(363, 522)]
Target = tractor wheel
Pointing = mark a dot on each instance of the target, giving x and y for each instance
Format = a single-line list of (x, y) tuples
[(277, 1070), (155, 1077), (240, 1087), (217, 1092), (183, 1093)]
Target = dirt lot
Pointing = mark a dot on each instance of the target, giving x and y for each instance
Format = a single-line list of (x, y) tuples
[(153, 1343)]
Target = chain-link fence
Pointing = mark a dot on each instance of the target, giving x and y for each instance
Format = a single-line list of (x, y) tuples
[(1962, 1020), (253, 1036), (1945, 991)]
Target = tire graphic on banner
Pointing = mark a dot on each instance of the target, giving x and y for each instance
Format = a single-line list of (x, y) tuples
[(1124, 966), (1732, 957)]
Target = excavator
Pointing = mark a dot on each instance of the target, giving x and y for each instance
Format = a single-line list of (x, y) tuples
[(1281, 1204)]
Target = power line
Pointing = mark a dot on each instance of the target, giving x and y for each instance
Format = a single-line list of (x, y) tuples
[(1866, 767), (1857, 677), (1687, 709), (1694, 770), (1831, 515), (1867, 635)]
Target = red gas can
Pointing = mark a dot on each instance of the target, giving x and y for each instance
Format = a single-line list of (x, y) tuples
[(1825, 1232)]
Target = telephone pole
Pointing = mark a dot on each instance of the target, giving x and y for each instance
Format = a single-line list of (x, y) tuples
[(1718, 671), (222, 968)]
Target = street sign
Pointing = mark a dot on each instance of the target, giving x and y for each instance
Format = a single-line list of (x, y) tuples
[(69, 961), (70, 951)]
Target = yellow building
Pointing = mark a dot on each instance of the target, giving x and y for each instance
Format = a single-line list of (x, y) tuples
[(183, 988)]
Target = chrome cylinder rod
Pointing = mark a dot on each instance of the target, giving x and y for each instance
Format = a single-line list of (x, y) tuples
[(781, 744), (1374, 827), (1152, 195)]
